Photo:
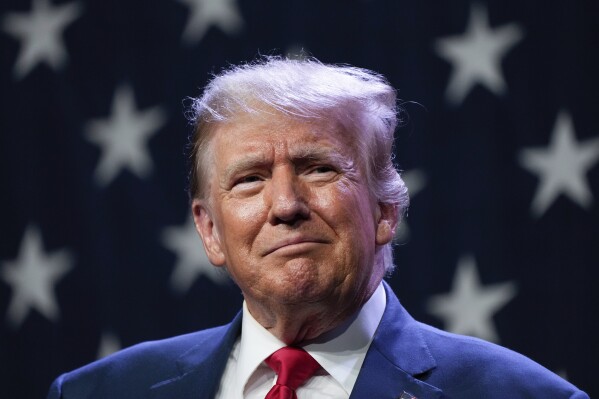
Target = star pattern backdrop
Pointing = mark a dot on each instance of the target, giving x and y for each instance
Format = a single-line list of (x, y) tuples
[(500, 148)]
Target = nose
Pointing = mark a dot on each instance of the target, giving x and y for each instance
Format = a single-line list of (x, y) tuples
[(288, 205)]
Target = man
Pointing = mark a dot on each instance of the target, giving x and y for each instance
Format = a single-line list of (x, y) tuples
[(294, 193)]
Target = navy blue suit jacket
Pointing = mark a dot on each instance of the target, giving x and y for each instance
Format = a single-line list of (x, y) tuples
[(405, 358)]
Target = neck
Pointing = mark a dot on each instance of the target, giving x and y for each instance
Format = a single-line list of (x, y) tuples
[(296, 324)]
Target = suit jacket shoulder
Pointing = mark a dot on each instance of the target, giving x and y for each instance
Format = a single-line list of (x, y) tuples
[(472, 368), (184, 366), (425, 362)]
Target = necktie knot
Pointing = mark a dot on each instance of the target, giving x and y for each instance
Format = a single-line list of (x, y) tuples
[(293, 367)]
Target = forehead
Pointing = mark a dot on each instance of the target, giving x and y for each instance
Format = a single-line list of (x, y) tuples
[(276, 133)]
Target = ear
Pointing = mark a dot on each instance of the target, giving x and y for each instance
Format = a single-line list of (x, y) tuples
[(387, 222), (208, 232)]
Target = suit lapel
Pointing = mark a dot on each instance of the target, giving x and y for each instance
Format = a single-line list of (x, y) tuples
[(397, 356), (199, 370)]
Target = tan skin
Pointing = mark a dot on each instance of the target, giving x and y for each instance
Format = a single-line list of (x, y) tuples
[(290, 216)]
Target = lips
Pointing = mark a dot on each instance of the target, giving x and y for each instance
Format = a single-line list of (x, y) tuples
[(294, 242)]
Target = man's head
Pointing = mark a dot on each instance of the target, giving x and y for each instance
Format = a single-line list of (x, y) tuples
[(360, 101), (294, 190)]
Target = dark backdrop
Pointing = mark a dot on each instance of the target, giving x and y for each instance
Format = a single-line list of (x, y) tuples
[(500, 148)]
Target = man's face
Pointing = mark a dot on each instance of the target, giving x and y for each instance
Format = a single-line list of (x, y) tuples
[(289, 213)]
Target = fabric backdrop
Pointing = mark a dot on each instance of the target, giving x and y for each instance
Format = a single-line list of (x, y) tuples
[(499, 144)]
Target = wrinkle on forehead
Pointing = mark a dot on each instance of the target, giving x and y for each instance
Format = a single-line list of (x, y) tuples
[(270, 138)]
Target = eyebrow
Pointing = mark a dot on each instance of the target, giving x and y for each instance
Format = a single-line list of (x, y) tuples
[(307, 153), (311, 153), (248, 161), (317, 152)]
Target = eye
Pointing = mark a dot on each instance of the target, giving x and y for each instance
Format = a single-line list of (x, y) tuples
[(248, 179), (321, 173), (322, 169)]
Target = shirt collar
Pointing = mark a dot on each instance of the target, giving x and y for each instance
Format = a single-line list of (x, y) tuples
[(256, 344), (340, 352)]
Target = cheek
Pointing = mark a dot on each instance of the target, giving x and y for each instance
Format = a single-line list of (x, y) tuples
[(243, 220), (332, 199), (347, 209), (347, 203), (247, 212)]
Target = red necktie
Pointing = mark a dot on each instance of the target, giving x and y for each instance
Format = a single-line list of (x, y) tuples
[(293, 367)]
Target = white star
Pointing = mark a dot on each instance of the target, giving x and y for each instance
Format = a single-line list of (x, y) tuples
[(109, 343), (32, 277), (124, 136), (192, 261), (561, 167), (476, 55), (415, 179), (205, 13), (469, 308), (40, 34)]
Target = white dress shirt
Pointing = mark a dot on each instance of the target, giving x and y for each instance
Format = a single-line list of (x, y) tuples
[(340, 352)]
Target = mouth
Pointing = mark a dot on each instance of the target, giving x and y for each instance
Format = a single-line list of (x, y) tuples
[(294, 245)]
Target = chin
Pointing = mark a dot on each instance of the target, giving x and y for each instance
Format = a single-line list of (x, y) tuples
[(308, 291)]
